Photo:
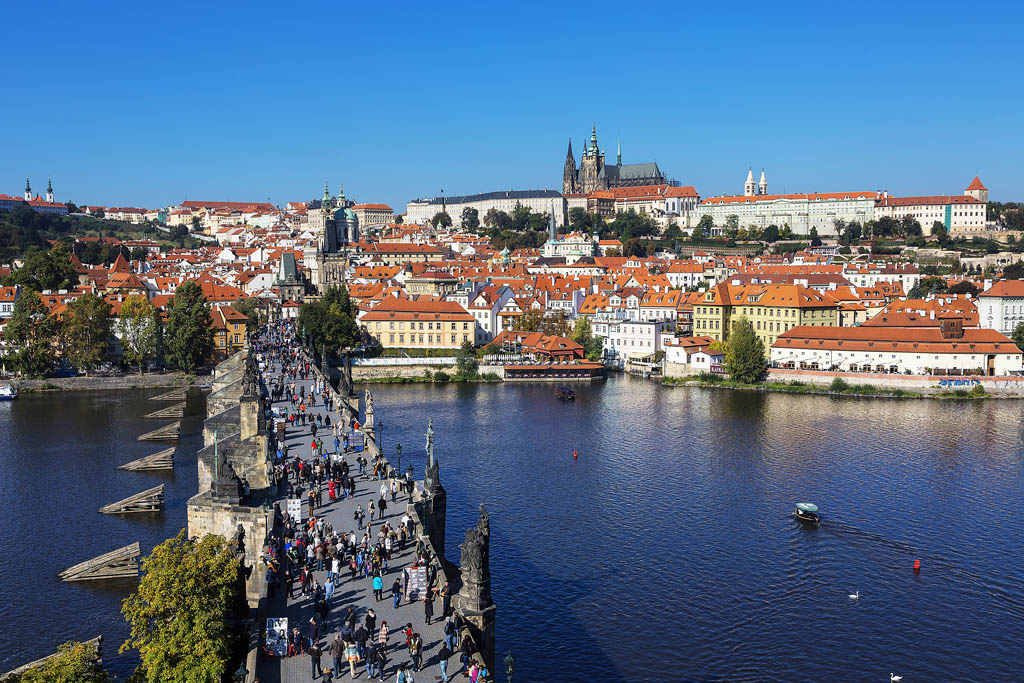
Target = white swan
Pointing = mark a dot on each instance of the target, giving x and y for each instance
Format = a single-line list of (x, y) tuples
[(893, 677), (855, 596)]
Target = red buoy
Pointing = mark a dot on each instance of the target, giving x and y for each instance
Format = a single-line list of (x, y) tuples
[(575, 454), (917, 565)]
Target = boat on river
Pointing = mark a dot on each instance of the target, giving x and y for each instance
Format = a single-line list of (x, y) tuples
[(565, 394), (8, 392), (807, 514)]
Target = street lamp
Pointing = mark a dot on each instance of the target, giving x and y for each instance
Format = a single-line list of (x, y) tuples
[(380, 437), (240, 675), (509, 662), (398, 454)]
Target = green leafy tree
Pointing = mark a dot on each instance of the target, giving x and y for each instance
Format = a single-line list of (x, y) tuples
[(1018, 336), (497, 219), (582, 334), (744, 353), (579, 220), (45, 270), (136, 326), (249, 308), (705, 225), (31, 334), (180, 615), (87, 332), (159, 340), (964, 287), (732, 224), (441, 219), (189, 337), (466, 365), (74, 662), (470, 218), (770, 234), (926, 286), (1014, 271), (330, 322), (815, 240)]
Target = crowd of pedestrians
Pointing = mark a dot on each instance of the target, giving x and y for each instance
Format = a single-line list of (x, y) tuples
[(314, 561)]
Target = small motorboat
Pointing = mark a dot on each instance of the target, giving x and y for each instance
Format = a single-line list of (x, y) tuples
[(807, 513), (8, 392), (565, 394)]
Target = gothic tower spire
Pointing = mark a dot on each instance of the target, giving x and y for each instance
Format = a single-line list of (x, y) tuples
[(749, 189), (618, 155), (570, 182), (762, 184), (28, 190), (49, 190)]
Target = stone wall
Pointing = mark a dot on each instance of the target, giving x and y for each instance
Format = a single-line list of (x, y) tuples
[(364, 372), (926, 384)]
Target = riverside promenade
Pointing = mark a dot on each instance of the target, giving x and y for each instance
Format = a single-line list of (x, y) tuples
[(353, 592)]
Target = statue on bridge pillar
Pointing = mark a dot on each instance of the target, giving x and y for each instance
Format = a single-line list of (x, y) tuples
[(369, 410), (473, 601)]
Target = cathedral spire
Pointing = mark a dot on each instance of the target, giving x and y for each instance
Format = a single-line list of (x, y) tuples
[(618, 155), (49, 190), (762, 184), (28, 190), (593, 139), (568, 154), (749, 189)]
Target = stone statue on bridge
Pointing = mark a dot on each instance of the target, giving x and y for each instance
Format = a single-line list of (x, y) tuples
[(476, 564)]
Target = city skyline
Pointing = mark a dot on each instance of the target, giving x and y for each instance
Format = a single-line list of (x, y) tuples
[(247, 104)]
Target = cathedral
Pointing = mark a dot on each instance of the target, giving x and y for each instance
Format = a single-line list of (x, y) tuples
[(341, 232), (594, 174)]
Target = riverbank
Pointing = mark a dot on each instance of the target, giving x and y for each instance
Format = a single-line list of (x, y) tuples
[(116, 383), (840, 388), (438, 377)]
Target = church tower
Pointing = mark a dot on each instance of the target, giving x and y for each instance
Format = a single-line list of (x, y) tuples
[(749, 189), (977, 190), (762, 184), (570, 183), (49, 190), (28, 190)]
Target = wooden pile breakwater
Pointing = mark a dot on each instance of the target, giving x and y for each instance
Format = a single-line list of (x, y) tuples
[(170, 432), (176, 410), (164, 460), (122, 563), (173, 395), (150, 500)]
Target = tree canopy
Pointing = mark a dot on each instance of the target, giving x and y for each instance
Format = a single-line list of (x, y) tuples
[(87, 332), (189, 337), (45, 269), (582, 334), (330, 323), (744, 353), (31, 334), (137, 328), (180, 615), (74, 663)]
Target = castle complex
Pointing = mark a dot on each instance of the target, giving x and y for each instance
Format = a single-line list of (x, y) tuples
[(594, 174)]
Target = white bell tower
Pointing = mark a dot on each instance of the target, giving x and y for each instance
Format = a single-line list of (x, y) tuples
[(748, 187)]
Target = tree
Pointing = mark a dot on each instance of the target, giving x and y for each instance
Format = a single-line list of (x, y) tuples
[(770, 234), (399, 219), (197, 224), (910, 227), (964, 287), (1014, 271), (496, 219), (732, 223), (180, 615), (470, 218), (582, 334), (672, 232), (330, 322), (578, 219), (744, 353), (45, 270), (189, 337), (74, 662), (705, 225), (249, 308), (441, 219), (137, 327), (815, 240), (466, 365), (30, 334), (87, 332), (159, 346), (926, 286), (1018, 336)]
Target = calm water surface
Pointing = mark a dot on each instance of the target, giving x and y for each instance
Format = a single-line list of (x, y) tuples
[(58, 455), (666, 552)]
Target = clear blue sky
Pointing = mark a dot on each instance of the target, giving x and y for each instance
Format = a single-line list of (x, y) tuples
[(147, 104)]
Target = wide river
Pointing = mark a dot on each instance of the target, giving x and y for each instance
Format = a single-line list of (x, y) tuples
[(667, 551)]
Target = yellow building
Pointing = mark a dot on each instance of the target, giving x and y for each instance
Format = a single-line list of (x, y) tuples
[(407, 324), (229, 330), (771, 310)]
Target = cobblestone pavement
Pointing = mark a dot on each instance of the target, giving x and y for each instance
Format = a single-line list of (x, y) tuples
[(357, 592)]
